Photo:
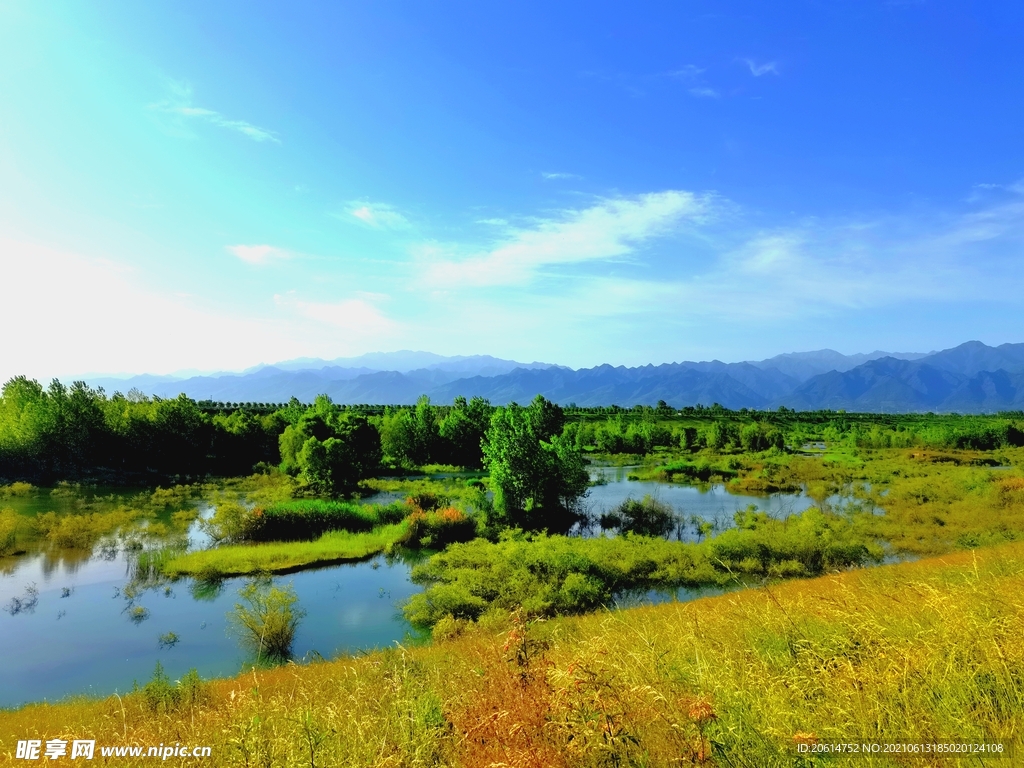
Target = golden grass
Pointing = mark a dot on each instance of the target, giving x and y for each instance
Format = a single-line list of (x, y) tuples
[(925, 651), (283, 557)]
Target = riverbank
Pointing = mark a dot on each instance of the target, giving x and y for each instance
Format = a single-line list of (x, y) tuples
[(922, 652)]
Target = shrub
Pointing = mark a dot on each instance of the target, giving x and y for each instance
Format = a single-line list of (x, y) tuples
[(267, 619), (8, 531), (161, 695), (302, 520), (647, 517), (437, 529)]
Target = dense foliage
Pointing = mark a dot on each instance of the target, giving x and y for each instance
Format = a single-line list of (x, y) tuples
[(548, 575), (67, 432), (537, 475)]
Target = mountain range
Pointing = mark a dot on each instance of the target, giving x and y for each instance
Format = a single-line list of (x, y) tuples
[(970, 378)]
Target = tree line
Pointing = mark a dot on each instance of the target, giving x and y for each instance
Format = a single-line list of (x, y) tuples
[(72, 432)]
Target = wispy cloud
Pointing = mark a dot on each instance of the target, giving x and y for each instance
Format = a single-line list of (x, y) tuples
[(377, 215), (180, 105), (354, 315), (611, 229), (258, 254), (691, 73), (555, 176), (687, 72), (757, 70)]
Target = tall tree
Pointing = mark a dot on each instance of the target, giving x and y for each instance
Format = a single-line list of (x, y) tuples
[(538, 477)]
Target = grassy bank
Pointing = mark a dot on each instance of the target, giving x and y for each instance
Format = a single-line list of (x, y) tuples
[(297, 537), (285, 556), (930, 651)]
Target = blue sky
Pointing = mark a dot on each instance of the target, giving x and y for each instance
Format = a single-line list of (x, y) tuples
[(213, 185)]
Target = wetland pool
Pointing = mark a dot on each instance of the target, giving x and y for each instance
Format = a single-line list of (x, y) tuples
[(71, 622)]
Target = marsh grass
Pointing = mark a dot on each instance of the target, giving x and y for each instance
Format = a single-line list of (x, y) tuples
[(280, 557), (552, 575), (928, 651), (83, 530), (646, 517)]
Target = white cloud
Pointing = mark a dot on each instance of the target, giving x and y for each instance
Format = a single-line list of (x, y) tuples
[(77, 313), (555, 176), (610, 229), (257, 254), (378, 215), (356, 316), (704, 93), (180, 106), (757, 70)]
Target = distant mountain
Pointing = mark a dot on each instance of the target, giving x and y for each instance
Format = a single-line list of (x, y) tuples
[(405, 361), (974, 357), (733, 385), (804, 365), (379, 377), (970, 378)]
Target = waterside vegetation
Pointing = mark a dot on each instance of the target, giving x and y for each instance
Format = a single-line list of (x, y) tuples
[(928, 651)]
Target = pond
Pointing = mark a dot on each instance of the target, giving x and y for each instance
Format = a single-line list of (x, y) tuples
[(67, 620), (711, 502)]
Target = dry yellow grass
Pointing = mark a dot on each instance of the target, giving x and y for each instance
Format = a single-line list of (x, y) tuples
[(930, 651)]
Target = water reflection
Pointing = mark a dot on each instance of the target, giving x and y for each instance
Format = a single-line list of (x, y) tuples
[(692, 505)]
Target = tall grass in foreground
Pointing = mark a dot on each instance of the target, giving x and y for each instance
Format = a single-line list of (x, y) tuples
[(929, 651)]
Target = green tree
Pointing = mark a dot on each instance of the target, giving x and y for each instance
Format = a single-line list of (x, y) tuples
[(462, 431), (338, 462), (398, 436), (538, 481)]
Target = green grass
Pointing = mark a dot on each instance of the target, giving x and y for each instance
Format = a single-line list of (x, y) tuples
[(283, 557)]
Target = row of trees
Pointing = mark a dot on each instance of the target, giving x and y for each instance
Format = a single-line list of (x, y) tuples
[(427, 434), (620, 435), (62, 432), (533, 454)]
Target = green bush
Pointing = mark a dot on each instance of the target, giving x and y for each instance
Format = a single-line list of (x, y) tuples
[(161, 695), (301, 520), (549, 575), (8, 531), (438, 528), (646, 517), (266, 620)]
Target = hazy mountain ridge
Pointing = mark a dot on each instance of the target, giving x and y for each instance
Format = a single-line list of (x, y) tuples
[(971, 377)]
